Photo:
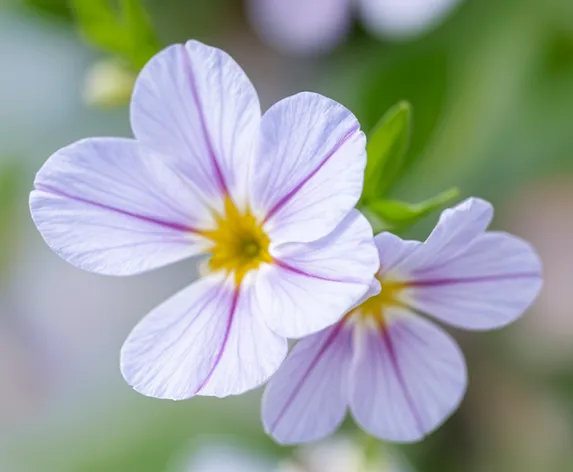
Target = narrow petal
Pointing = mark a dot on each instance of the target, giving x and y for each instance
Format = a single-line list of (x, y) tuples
[(204, 340), (307, 398), (111, 206), (300, 26), (392, 250), (455, 230), (309, 171), (488, 285), (311, 286), (195, 104), (407, 378)]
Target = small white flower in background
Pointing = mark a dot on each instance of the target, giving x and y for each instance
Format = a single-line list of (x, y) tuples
[(401, 375), (338, 454), (108, 84), (316, 26), (222, 457), (341, 454), (403, 19), (269, 199)]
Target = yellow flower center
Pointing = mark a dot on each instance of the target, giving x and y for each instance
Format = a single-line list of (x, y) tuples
[(239, 243), (375, 307)]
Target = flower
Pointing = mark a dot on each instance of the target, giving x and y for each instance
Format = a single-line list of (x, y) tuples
[(108, 84), (315, 26), (269, 199), (337, 454), (400, 374)]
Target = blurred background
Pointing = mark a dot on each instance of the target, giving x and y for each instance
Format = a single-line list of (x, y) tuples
[(491, 84)]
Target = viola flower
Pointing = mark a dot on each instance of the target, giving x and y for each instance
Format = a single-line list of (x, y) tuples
[(269, 200), (400, 374), (316, 26)]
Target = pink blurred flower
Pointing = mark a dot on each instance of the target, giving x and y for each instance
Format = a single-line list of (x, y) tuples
[(269, 199), (314, 26), (400, 374)]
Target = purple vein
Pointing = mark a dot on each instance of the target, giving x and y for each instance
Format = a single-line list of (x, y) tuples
[(290, 268), (219, 356), (149, 219), (387, 340), (210, 150), (301, 184), (456, 281), (327, 343)]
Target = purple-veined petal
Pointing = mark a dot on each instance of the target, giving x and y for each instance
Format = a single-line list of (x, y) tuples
[(404, 18), (204, 340), (252, 353), (111, 206), (312, 285), (309, 171), (307, 398), (455, 230), (406, 378), (301, 26), (488, 285), (194, 103), (392, 250)]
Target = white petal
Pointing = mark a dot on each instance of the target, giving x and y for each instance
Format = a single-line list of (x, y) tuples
[(252, 354), (307, 398), (204, 340), (301, 26), (309, 171), (196, 104), (488, 285), (455, 230), (111, 206), (406, 379), (392, 250), (311, 286)]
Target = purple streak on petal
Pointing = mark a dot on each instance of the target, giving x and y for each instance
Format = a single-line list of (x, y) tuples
[(327, 343), (455, 281), (218, 172), (166, 224), (232, 311), (387, 340), (286, 266), (293, 192)]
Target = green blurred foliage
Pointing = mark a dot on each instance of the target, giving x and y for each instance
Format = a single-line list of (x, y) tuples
[(397, 216), (125, 31), (386, 148), (13, 179)]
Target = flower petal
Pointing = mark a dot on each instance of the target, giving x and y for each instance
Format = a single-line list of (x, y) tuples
[(455, 230), (311, 286), (110, 206), (309, 171), (300, 26), (392, 250), (307, 398), (488, 285), (204, 340), (195, 104), (407, 378)]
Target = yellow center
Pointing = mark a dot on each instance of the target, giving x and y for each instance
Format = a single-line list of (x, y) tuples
[(373, 309), (239, 243)]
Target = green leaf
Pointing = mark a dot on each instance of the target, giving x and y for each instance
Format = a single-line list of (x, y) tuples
[(140, 34), (100, 25), (387, 146), (126, 32), (396, 215)]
